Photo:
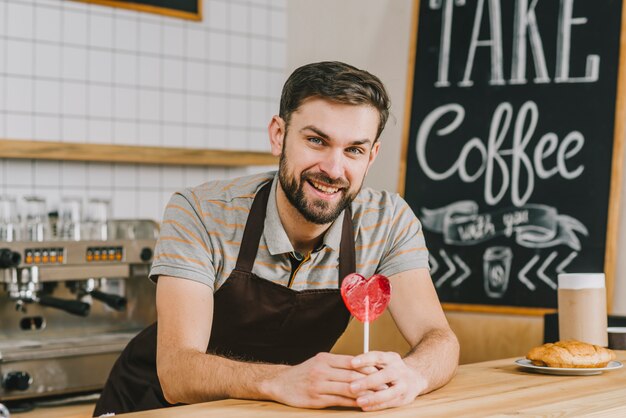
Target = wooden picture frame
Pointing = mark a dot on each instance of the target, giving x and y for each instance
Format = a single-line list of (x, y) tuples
[(186, 9), (613, 163)]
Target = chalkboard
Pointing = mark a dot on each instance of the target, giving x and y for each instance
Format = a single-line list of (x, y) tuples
[(186, 9), (512, 146)]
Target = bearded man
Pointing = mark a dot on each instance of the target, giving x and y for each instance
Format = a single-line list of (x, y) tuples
[(248, 271)]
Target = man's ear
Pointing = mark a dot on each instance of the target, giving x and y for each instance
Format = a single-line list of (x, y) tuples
[(276, 131), (373, 155)]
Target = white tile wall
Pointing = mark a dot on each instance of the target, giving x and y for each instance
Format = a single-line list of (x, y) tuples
[(195, 46), (76, 72), (20, 19), (3, 14), (47, 63), (74, 129), (47, 128), (48, 24), (19, 126), (19, 57)]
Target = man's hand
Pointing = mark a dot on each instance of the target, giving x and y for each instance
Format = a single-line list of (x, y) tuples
[(320, 382), (394, 384)]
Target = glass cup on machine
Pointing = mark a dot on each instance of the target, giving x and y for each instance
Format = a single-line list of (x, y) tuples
[(9, 219), (97, 216), (35, 219), (70, 219)]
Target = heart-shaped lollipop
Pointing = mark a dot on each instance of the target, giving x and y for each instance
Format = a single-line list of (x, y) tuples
[(366, 299)]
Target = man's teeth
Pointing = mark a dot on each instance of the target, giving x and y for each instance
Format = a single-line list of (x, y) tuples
[(325, 189)]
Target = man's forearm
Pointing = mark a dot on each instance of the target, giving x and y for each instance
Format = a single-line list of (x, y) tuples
[(189, 376), (435, 358)]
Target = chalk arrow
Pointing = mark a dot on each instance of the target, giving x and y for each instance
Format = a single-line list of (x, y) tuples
[(544, 265), (561, 267), (522, 273), (464, 267), (451, 269), (541, 270)]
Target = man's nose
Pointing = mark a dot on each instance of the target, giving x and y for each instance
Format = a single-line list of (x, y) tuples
[(333, 165)]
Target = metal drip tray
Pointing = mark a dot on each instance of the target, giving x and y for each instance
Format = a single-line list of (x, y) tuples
[(64, 347), (59, 366), (18, 345)]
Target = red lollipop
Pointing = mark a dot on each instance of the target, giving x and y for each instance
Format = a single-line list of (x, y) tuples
[(365, 298)]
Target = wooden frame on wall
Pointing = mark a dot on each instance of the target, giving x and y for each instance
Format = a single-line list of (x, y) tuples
[(44, 150), (183, 9), (613, 166)]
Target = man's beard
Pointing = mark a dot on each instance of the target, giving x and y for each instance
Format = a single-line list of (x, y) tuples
[(317, 211)]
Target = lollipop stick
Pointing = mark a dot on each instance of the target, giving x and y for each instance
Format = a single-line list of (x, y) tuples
[(366, 326)]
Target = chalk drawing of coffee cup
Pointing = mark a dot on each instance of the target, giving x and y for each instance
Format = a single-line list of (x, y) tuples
[(496, 270)]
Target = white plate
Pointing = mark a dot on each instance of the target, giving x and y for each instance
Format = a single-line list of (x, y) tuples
[(526, 364)]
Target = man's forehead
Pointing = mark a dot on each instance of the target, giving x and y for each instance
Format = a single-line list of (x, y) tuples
[(316, 102), (321, 116)]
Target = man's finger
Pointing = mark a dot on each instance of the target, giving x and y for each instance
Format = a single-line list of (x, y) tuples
[(337, 360), (374, 381), (336, 388), (334, 400), (349, 376), (368, 369), (374, 358), (380, 400), (343, 375)]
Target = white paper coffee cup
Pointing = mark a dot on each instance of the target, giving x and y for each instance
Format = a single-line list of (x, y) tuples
[(582, 308)]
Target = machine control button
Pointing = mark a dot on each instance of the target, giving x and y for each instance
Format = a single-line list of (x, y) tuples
[(9, 258), (146, 254), (43, 255), (17, 381), (100, 254)]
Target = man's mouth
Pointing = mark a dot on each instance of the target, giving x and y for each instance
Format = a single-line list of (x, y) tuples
[(323, 188)]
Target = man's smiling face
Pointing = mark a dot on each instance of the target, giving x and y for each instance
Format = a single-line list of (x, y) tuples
[(324, 156)]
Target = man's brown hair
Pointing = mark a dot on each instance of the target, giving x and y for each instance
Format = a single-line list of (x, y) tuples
[(335, 81)]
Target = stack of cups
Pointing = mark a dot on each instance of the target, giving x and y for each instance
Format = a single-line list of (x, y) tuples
[(9, 219), (97, 217), (70, 219), (582, 308), (36, 220)]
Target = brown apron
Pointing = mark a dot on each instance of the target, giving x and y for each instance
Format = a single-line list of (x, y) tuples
[(254, 319)]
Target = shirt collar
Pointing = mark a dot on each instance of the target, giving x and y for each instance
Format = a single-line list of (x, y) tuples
[(276, 237)]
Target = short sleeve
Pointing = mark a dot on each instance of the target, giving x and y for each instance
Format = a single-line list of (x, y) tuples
[(406, 247), (183, 249)]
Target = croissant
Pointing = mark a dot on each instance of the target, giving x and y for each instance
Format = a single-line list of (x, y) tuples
[(570, 354)]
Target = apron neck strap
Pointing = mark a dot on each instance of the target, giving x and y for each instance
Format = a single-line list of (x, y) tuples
[(254, 230), (347, 258)]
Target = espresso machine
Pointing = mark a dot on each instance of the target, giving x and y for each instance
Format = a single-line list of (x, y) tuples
[(69, 307)]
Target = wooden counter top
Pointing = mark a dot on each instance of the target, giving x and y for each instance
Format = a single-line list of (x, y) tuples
[(478, 390), (68, 411)]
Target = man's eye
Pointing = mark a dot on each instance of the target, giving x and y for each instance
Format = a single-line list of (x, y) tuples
[(315, 140), (356, 151)]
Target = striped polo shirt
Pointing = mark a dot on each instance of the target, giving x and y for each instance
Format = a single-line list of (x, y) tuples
[(203, 226)]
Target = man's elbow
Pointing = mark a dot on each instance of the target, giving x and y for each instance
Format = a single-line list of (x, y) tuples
[(453, 349), (170, 384)]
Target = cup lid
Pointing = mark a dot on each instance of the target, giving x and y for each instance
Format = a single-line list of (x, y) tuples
[(581, 281), (616, 330)]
